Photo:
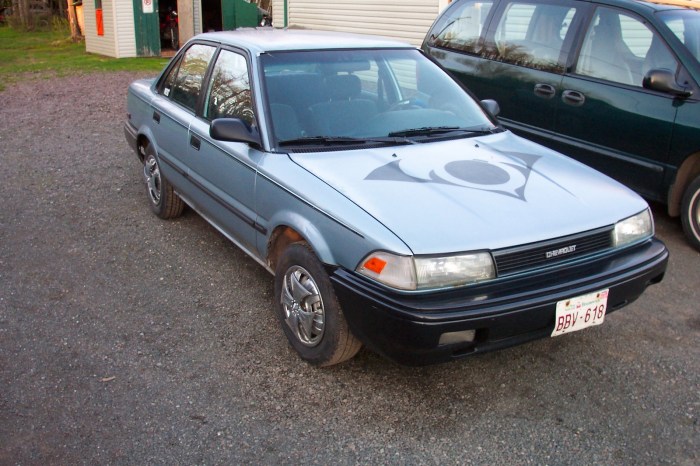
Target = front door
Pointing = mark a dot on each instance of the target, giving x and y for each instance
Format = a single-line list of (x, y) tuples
[(605, 117), (226, 171)]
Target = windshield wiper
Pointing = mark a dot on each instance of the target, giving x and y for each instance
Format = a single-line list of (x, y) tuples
[(439, 130), (331, 140)]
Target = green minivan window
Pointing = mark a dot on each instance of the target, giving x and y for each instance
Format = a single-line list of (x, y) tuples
[(621, 48), (532, 35), (462, 26), (685, 24)]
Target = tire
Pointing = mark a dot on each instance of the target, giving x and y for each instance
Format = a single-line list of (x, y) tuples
[(309, 311), (690, 213), (164, 202)]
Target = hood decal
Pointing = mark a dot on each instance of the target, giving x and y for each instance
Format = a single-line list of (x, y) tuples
[(507, 175)]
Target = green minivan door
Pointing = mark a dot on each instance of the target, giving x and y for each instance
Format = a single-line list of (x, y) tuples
[(606, 118)]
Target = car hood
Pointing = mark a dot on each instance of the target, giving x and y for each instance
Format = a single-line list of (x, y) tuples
[(486, 192)]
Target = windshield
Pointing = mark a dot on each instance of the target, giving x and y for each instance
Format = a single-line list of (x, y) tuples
[(685, 24), (380, 95)]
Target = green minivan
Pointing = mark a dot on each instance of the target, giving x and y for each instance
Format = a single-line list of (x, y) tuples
[(612, 83)]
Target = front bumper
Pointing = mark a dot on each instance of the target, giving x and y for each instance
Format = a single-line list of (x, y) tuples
[(406, 327)]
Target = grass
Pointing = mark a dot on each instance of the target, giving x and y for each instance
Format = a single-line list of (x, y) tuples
[(52, 53)]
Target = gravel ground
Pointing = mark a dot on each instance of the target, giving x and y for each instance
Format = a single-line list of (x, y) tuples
[(125, 339)]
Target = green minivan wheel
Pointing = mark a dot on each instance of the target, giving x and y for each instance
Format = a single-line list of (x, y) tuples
[(690, 213)]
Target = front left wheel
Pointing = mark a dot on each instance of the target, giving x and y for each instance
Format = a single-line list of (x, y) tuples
[(309, 311)]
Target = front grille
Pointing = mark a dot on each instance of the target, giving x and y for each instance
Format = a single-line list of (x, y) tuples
[(550, 252)]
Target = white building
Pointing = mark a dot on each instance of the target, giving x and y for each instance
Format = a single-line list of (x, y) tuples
[(407, 20), (132, 28)]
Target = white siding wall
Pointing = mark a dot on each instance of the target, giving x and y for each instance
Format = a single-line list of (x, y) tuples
[(407, 20), (126, 32), (197, 17), (277, 13), (119, 39), (103, 45)]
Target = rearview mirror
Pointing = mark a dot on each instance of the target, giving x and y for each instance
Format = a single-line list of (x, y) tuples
[(664, 81), (234, 130)]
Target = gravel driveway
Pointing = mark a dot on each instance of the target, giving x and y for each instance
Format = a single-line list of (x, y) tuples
[(125, 339)]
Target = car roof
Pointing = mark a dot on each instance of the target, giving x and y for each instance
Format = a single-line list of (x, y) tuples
[(261, 40), (646, 5), (679, 3)]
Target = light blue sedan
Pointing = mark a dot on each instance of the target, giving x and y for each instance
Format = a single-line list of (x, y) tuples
[(391, 207)]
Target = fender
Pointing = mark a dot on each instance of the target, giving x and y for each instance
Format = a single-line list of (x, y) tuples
[(307, 229)]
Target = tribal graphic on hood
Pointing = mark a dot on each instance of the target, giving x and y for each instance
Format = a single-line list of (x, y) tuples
[(497, 171)]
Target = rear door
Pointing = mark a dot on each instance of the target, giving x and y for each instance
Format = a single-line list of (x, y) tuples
[(173, 110), (606, 118), (526, 48)]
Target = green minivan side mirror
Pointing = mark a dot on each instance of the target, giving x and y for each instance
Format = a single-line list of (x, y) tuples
[(664, 81)]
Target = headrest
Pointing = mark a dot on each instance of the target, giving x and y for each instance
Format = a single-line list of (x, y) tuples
[(343, 86)]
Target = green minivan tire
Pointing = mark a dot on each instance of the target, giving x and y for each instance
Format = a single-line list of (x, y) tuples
[(690, 213)]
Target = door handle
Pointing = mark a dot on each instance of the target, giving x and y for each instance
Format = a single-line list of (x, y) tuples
[(195, 142), (574, 98), (156, 117), (545, 91)]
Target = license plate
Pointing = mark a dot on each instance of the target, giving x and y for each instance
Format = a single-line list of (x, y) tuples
[(580, 312)]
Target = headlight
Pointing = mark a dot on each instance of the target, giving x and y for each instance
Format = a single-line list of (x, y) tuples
[(634, 228), (417, 273)]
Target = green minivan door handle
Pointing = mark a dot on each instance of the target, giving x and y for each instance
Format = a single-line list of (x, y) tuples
[(574, 98), (546, 91)]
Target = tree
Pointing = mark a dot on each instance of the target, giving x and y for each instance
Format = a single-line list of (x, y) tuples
[(31, 14), (75, 33)]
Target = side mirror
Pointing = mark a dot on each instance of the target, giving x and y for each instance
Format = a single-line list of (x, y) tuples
[(234, 130), (665, 81), (491, 106)]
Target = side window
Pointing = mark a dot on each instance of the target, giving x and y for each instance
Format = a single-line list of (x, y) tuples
[(229, 95), (186, 84), (620, 48), (532, 35), (462, 26), (685, 25), (168, 84)]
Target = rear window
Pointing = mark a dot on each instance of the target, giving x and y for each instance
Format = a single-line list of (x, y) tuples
[(184, 82)]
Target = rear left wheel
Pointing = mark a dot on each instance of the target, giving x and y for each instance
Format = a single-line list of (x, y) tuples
[(164, 202), (308, 309)]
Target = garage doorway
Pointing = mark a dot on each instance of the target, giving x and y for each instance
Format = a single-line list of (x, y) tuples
[(168, 21), (211, 16)]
